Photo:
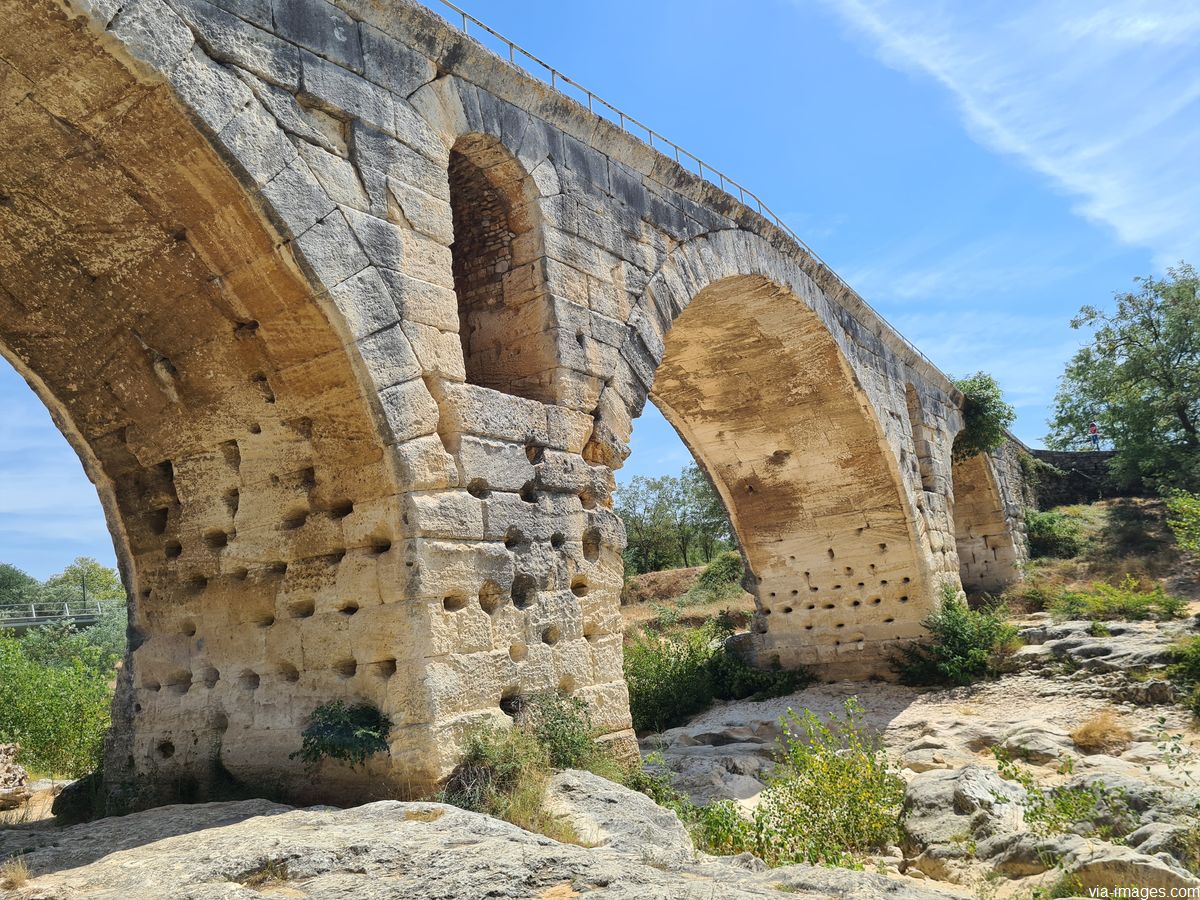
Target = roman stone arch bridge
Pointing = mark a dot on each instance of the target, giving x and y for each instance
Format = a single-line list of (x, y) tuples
[(349, 320)]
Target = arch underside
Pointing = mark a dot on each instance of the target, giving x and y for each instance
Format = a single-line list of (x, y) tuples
[(176, 341), (987, 550), (755, 384)]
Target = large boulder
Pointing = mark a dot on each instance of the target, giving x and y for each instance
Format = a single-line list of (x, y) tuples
[(250, 849), (14, 780), (605, 814), (945, 807), (1098, 864)]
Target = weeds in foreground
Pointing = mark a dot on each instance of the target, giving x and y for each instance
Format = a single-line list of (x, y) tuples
[(1090, 810), (964, 646), (14, 873), (1185, 672), (1102, 733), (267, 874), (1054, 533)]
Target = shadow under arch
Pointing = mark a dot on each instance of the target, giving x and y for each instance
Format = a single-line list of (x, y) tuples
[(758, 386), (214, 393)]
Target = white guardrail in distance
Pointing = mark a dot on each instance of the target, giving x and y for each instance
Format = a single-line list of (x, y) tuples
[(519, 56)]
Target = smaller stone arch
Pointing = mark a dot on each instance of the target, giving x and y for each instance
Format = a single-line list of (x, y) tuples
[(988, 554), (504, 322)]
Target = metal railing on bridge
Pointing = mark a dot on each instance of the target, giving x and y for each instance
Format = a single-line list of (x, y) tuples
[(23, 616), (519, 56)]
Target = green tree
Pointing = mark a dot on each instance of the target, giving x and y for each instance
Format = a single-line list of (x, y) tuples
[(713, 532), (1139, 380), (644, 505), (17, 586), (102, 583), (986, 416)]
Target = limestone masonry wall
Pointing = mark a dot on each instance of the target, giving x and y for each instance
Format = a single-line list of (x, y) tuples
[(350, 319)]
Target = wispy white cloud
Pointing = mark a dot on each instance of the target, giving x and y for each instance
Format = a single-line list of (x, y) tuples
[(1104, 101)]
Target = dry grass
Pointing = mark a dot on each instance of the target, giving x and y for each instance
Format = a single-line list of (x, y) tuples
[(14, 873), (645, 597), (1103, 733), (268, 874)]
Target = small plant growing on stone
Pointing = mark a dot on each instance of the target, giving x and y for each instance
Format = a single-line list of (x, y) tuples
[(563, 726), (1095, 808), (1102, 733), (986, 416), (348, 734), (964, 646)]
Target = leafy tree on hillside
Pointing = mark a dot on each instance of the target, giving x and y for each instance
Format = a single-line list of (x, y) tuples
[(16, 586), (102, 582), (713, 531), (672, 521), (1139, 379)]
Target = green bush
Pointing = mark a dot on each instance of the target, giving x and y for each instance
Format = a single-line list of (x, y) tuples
[(1185, 671), (1183, 517), (676, 673), (563, 725), (986, 416), (720, 580), (1091, 810), (833, 797), (58, 713), (964, 645), (346, 733), (1053, 534), (1124, 601)]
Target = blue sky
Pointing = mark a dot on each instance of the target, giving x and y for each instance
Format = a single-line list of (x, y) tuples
[(976, 170)]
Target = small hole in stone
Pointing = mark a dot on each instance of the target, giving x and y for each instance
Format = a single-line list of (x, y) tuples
[(385, 668), (491, 595), (808, 628), (849, 571), (216, 539), (220, 721), (862, 584), (289, 673), (301, 609), (588, 499), (277, 569), (173, 549), (787, 610), (255, 428), (528, 492), (266, 620), (883, 548), (905, 580), (295, 519), (829, 606), (381, 546), (579, 339), (197, 583), (841, 625), (152, 685), (551, 635), (158, 520), (535, 454), (883, 581), (188, 627), (518, 652), (479, 489), (876, 601), (796, 593), (579, 586), (766, 611), (239, 574), (524, 591), (245, 329), (557, 540), (510, 701), (889, 620), (513, 538), (233, 499), (249, 680), (210, 677), (454, 603), (814, 589), (348, 608), (346, 668), (341, 509), (904, 599), (591, 544), (831, 553), (811, 606), (179, 682), (166, 749), (856, 603)]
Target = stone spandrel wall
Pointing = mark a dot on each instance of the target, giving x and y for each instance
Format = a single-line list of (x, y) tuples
[(423, 517)]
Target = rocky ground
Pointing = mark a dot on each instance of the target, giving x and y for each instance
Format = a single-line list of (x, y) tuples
[(942, 743)]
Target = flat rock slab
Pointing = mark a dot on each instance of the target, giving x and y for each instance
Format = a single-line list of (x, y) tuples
[(387, 849)]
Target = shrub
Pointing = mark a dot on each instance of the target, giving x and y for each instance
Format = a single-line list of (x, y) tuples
[(1089, 810), (1053, 534), (563, 725), (964, 644), (1102, 733), (346, 733), (1123, 601), (676, 673), (834, 795), (986, 416), (1185, 670), (58, 713), (1183, 517), (503, 773), (720, 580)]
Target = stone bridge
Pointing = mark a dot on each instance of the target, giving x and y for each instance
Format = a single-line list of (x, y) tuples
[(349, 321)]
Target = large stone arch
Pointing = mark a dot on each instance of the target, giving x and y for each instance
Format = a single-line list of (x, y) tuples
[(219, 345), (752, 364)]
